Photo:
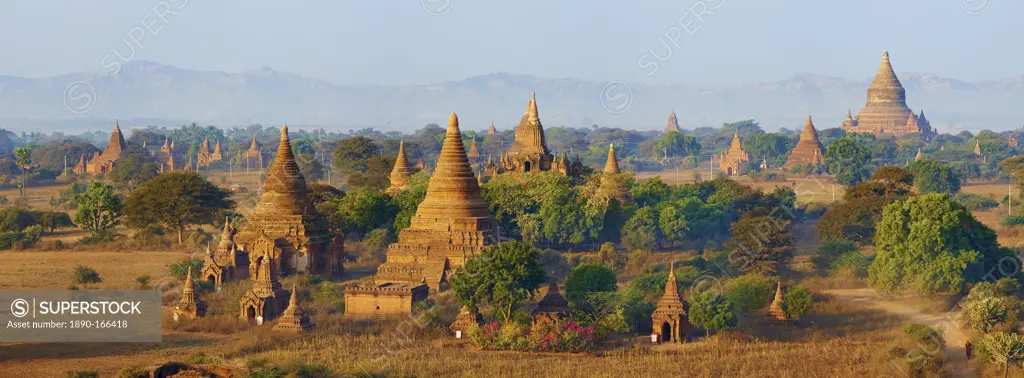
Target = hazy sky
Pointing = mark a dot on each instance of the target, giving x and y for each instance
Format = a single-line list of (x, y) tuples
[(402, 42)]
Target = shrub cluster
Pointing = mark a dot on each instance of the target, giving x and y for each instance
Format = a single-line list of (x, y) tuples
[(566, 337)]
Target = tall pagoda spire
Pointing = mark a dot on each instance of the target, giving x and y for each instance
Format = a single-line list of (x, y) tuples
[(612, 165), (284, 192), (492, 130), (808, 149), (453, 191), (529, 137), (673, 122), (473, 151)]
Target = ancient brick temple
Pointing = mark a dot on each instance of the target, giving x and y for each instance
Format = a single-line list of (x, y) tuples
[(104, 162), (165, 156), (610, 181), (673, 123), (205, 157), (473, 153), (293, 319), (467, 319), (265, 300), (189, 307), (492, 130), (552, 308), (670, 320), (227, 262), (401, 172), (285, 229), (886, 109), (734, 157), (808, 150), (451, 224), (384, 299), (529, 151), (253, 156), (775, 311)]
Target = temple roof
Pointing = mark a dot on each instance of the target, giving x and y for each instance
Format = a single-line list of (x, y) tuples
[(671, 301), (673, 122), (254, 146), (612, 165), (492, 130), (529, 137), (808, 149), (473, 151), (453, 191), (284, 192), (400, 174), (116, 137), (553, 300)]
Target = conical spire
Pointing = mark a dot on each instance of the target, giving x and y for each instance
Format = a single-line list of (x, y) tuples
[(553, 301), (400, 174), (977, 147), (293, 319), (808, 148), (673, 122), (534, 116), (919, 155), (167, 143), (116, 144), (293, 302), (227, 240), (473, 152), (671, 286), (809, 132), (492, 130), (775, 310), (254, 146), (736, 140), (216, 148), (206, 146), (284, 192), (612, 165), (190, 285), (529, 137), (453, 191)]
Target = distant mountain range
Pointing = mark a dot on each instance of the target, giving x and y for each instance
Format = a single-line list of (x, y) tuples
[(146, 93)]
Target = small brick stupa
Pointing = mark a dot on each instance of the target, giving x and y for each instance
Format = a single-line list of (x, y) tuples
[(465, 321), (673, 123), (734, 158), (552, 308), (669, 320), (225, 263), (400, 174), (473, 153), (265, 301), (285, 228), (775, 311), (609, 181), (293, 319), (492, 130), (451, 224), (189, 307), (808, 149)]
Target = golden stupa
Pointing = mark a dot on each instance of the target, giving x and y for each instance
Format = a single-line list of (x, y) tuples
[(451, 224), (808, 149), (400, 174), (886, 109)]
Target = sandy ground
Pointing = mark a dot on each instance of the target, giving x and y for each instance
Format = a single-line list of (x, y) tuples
[(956, 340)]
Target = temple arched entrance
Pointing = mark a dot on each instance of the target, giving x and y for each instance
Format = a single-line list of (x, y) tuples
[(526, 167), (729, 171), (666, 332), (250, 313)]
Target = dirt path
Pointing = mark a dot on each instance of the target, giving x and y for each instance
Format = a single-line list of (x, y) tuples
[(955, 338)]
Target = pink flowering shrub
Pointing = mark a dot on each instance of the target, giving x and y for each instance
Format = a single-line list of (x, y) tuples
[(565, 337)]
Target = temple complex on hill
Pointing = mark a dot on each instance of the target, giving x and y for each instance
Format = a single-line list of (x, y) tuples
[(103, 162), (401, 172), (670, 320), (886, 110), (204, 157), (285, 229), (808, 150), (734, 157), (673, 123), (451, 224), (529, 151)]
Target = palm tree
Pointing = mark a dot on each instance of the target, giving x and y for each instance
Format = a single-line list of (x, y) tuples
[(23, 156)]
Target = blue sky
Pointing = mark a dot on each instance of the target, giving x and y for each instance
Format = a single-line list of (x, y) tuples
[(401, 42)]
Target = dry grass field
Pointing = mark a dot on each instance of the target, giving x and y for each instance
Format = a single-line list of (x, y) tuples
[(52, 270)]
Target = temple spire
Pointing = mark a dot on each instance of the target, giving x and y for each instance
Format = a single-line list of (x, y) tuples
[(612, 165), (453, 191), (284, 192), (401, 172)]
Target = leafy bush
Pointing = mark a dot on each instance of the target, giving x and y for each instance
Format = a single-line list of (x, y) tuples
[(851, 263), (1012, 220), (84, 275), (985, 314), (83, 374), (830, 252), (797, 301), (567, 337), (750, 292), (975, 202)]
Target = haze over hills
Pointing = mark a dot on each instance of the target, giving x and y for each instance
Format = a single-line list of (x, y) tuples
[(147, 93)]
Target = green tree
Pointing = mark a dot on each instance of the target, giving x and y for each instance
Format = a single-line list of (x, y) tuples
[(642, 230), (177, 200), (132, 171), (930, 243), (713, 312), (750, 292), (612, 257), (85, 276), (377, 174), (1005, 349), (409, 200), (760, 244), (650, 192), (502, 277), (797, 301), (848, 159), (99, 209), (855, 219), (23, 156), (52, 220), (365, 209), (772, 147), (986, 313), (673, 224), (931, 176), (674, 143), (590, 290), (352, 154)]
